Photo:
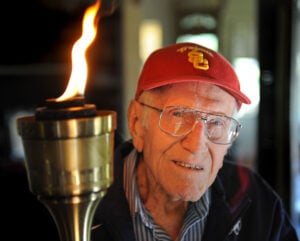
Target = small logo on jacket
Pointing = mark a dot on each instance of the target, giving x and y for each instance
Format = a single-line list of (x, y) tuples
[(236, 228)]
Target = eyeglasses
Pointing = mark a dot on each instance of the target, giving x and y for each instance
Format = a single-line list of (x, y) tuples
[(180, 121)]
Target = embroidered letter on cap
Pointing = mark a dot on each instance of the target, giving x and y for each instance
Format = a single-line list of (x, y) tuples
[(198, 60)]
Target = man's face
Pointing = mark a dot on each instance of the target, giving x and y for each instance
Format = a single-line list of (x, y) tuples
[(182, 168)]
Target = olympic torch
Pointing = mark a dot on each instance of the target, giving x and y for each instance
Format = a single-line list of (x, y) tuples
[(68, 148)]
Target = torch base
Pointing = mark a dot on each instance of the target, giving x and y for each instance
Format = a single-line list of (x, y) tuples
[(73, 215)]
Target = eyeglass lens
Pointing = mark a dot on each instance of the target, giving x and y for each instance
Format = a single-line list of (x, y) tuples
[(178, 121)]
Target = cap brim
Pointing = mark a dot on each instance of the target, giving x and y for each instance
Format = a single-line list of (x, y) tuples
[(238, 95)]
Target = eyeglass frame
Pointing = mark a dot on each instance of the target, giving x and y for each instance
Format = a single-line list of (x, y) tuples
[(204, 120)]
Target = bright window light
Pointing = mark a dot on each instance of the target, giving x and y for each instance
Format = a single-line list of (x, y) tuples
[(248, 73), (150, 35), (209, 40), (17, 152), (196, 20)]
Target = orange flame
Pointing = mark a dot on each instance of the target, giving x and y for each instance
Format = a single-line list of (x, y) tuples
[(79, 72)]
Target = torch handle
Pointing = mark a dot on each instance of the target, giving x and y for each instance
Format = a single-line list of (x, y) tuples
[(73, 216)]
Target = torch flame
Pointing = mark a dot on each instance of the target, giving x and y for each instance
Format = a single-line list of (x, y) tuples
[(79, 72)]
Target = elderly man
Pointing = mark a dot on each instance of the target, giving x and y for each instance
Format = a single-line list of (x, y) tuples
[(171, 179)]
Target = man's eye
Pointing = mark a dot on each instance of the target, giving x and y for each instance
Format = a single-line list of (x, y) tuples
[(177, 113), (216, 122)]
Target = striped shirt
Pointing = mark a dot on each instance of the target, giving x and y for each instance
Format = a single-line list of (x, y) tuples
[(144, 225)]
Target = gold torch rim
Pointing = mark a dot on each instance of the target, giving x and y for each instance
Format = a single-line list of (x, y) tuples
[(30, 128)]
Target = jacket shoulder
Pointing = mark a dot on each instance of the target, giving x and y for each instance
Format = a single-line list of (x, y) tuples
[(265, 214), (238, 178)]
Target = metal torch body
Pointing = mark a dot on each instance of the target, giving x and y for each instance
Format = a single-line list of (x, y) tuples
[(69, 167)]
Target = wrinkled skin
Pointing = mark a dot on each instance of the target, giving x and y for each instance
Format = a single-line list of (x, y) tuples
[(175, 170)]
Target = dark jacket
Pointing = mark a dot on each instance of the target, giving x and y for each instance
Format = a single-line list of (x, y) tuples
[(243, 207)]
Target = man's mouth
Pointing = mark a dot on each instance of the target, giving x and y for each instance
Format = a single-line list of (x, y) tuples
[(190, 166)]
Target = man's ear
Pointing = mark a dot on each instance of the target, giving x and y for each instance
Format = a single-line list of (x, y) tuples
[(135, 124)]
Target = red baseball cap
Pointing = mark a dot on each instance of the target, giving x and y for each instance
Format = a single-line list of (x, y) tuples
[(185, 62)]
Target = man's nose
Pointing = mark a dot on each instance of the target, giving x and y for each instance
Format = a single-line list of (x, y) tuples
[(196, 139)]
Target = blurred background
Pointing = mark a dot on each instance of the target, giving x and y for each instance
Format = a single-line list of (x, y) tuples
[(261, 38)]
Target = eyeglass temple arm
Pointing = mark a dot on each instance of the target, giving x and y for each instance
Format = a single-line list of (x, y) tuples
[(151, 107)]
